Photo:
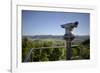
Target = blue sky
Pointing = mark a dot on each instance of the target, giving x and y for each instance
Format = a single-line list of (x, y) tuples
[(48, 23)]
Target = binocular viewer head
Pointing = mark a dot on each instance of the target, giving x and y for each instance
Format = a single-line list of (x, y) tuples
[(70, 25)]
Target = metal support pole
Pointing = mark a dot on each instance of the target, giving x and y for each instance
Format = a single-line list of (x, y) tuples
[(68, 50)]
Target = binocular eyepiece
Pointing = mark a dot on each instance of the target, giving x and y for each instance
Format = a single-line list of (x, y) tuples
[(76, 23)]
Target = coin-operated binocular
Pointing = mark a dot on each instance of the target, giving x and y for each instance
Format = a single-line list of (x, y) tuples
[(68, 36)]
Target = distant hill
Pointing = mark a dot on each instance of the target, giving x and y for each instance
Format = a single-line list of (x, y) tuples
[(45, 37), (59, 37)]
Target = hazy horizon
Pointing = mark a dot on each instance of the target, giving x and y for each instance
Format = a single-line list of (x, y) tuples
[(53, 35)]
